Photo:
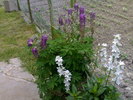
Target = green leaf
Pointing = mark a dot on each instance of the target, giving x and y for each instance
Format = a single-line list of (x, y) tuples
[(69, 98), (96, 98), (74, 89), (94, 89), (101, 91)]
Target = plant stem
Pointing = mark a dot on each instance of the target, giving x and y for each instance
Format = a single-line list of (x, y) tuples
[(108, 76), (51, 17), (72, 2), (92, 23)]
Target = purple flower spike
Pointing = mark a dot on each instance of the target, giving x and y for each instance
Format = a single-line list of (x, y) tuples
[(82, 10), (61, 21), (82, 20), (92, 15), (68, 21), (35, 52), (37, 10), (70, 11), (44, 41), (30, 42), (76, 7)]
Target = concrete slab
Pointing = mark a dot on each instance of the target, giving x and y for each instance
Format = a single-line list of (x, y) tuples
[(15, 83)]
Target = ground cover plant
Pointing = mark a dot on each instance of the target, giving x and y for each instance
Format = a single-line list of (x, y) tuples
[(66, 64)]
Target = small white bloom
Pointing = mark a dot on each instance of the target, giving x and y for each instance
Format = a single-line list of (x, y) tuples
[(60, 71), (118, 36), (99, 44), (118, 72), (59, 63), (104, 45), (116, 42), (121, 63), (58, 59)]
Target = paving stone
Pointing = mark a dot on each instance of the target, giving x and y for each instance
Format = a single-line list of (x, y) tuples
[(16, 83)]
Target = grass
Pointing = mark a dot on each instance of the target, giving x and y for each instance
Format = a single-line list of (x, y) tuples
[(14, 33)]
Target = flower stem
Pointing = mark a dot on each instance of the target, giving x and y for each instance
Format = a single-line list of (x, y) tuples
[(108, 76)]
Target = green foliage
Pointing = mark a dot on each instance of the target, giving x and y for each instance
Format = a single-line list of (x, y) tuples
[(95, 89), (76, 56), (75, 94)]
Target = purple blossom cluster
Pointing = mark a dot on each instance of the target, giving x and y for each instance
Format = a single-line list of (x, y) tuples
[(92, 16), (43, 44), (80, 11), (82, 17)]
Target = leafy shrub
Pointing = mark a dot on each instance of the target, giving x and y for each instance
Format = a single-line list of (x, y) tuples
[(76, 56), (76, 49)]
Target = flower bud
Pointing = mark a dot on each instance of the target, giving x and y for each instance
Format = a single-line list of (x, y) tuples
[(82, 10), (82, 20), (35, 52), (70, 11), (92, 15), (61, 21), (30, 42), (44, 41), (76, 7)]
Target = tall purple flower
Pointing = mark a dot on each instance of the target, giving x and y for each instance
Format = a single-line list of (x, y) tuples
[(82, 10), (30, 42), (70, 11), (76, 7), (61, 21), (92, 15), (44, 41), (37, 9), (82, 20), (35, 52)]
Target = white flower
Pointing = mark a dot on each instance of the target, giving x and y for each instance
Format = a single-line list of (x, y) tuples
[(118, 72), (99, 44), (59, 63), (104, 45), (63, 72), (121, 63), (60, 71), (118, 36), (58, 59), (113, 62), (116, 42), (115, 49), (118, 79)]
